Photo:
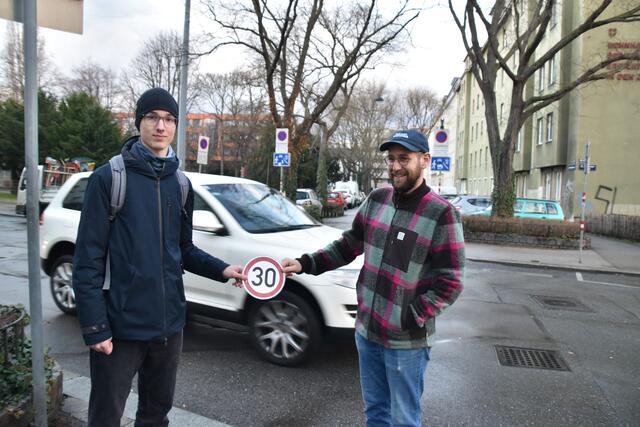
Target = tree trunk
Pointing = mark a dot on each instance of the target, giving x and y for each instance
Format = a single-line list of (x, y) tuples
[(503, 196)]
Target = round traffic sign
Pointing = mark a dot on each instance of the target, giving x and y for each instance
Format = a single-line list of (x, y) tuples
[(282, 136), (204, 143), (265, 277), (441, 136)]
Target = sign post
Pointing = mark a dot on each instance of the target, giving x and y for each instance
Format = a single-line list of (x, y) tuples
[(281, 156), (587, 167), (203, 152)]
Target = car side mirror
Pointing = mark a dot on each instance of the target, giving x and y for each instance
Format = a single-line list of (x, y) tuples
[(206, 221)]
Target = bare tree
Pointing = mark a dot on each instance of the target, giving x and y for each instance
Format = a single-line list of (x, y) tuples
[(12, 66), (238, 98), (98, 82), (416, 108), (361, 131), (528, 26), (158, 65), (300, 41)]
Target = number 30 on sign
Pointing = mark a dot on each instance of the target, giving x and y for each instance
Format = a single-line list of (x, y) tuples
[(265, 277)]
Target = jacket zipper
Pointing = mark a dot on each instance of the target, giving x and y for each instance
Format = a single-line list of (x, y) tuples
[(164, 296)]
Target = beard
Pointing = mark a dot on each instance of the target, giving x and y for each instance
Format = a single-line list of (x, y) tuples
[(405, 180)]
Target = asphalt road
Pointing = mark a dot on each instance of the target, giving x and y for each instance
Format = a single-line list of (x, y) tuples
[(221, 377)]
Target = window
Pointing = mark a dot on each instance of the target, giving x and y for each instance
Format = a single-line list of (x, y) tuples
[(547, 186), (550, 127), (501, 113), (519, 141), (75, 197), (478, 101), (486, 156), (504, 38), (551, 209), (551, 75), (558, 186), (541, 78), (539, 130)]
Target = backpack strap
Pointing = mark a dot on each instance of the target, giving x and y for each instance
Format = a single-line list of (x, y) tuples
[(184, 186), (118, 185)]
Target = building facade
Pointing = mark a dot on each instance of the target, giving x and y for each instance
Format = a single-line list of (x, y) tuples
[(603, 113)]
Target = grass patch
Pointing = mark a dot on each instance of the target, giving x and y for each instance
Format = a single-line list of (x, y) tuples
[(7, 197)]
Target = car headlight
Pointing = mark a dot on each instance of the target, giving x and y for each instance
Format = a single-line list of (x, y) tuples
[(342, 277)]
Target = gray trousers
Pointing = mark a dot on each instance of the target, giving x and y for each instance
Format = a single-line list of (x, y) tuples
[(155, 362)]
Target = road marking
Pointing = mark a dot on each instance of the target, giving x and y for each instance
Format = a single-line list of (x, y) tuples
[(537, 274), (581, 279)]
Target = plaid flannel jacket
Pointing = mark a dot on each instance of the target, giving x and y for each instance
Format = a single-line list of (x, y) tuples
[(414, 261)]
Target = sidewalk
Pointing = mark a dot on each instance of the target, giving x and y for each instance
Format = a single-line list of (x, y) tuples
[(73, 412)]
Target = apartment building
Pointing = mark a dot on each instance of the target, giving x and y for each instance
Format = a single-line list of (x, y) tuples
[(605, 113)]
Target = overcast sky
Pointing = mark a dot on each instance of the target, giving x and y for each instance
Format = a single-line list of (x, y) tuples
[(114, 31)]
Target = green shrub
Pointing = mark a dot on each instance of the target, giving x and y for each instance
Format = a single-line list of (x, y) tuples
[(332, 210), (314, 210), (521, 226), (15, 373)]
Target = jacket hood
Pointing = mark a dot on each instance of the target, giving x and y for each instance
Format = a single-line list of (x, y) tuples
[(133, 160)]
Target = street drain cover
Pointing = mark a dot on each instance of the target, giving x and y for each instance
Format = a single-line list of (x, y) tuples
[(560, 303), (530, 358)]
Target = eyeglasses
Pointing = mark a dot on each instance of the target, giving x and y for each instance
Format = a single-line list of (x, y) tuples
[(169, 121), (402, 160)]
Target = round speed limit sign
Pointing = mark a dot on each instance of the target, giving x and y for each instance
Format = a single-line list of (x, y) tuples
[(265, 278)]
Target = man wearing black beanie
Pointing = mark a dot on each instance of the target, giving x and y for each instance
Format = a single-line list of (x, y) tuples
[(132, 318)]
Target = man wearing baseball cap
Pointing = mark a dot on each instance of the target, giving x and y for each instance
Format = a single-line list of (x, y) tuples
[(134, 324), (413, 268)]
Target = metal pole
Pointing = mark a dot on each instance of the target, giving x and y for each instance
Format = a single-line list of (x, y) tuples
[(281, 179), (33, 207), (184, 68), (584, 198)]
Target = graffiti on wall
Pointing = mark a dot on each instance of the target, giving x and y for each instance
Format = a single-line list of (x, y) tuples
[(608, 196)]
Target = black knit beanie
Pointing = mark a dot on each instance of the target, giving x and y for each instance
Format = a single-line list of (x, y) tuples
[(155, 99)]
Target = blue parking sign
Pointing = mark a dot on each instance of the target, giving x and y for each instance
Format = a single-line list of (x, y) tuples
[(441, 164), (281, 160)]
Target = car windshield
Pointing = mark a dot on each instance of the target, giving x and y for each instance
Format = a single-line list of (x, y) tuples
[(260, 209)]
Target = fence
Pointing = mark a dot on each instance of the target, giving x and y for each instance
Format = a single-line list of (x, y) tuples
[(615, 225)]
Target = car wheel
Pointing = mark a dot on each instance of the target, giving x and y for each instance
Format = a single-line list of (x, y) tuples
[(62, 284), (284, 330)]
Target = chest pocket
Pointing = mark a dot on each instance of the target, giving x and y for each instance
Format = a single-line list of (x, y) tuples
[(399, 248)]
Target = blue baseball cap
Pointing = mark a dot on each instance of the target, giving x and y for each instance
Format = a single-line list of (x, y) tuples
[(411, 139)]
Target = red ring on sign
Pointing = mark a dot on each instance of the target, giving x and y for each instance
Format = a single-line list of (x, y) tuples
[(276, 290)]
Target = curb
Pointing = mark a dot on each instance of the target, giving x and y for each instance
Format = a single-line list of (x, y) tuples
[(557, 267), (75, 406)]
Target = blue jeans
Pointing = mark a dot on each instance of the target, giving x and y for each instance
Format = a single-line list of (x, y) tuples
[(392, 383)]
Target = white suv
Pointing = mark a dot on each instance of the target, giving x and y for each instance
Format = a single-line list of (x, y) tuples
[(235, 220)]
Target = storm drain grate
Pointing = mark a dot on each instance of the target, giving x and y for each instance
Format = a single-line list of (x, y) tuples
[(560, 303), (530, 358)]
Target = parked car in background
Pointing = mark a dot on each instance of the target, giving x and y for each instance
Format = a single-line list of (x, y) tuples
[(469, 204), (307, 197), (532, 208), (236, 220), (446, 191), (336, 198), (349, 198)]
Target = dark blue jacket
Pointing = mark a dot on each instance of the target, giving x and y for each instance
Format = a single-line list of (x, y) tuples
[(149, 244)]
